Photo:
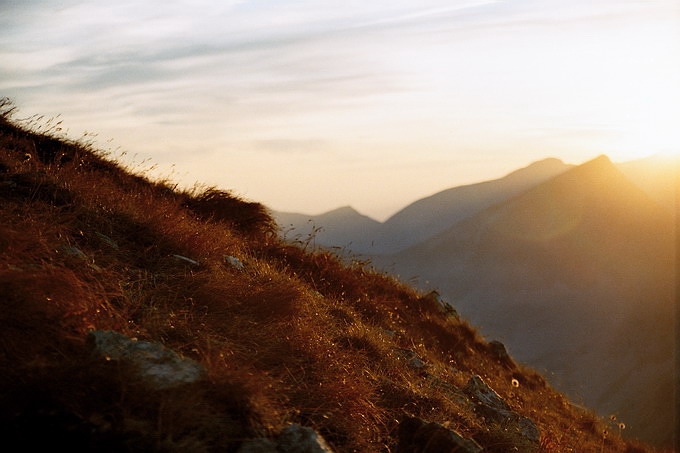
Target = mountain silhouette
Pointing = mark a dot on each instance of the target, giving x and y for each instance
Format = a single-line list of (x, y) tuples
[(346, 228), (434, 214), (341, 227), (575, 276), (655, 175)]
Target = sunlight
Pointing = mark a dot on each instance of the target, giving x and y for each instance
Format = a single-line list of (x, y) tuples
[(653, 136)]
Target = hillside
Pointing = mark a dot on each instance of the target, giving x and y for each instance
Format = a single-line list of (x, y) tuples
[(277, 335), (571, 274)]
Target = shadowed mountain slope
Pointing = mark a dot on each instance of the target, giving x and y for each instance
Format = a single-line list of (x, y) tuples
[(283, 335), (575, 275), (342, 227), (656, 175), (431, 215), (347, 229)]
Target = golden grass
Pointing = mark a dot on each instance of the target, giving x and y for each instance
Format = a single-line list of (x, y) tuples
[(294, 336)]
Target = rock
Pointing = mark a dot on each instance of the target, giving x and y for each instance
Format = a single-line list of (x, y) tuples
[(492, 407), (159, 365), (497, 349), (299, 439), (234, 262), (259, 445), (188, 260), (107, 240), (72, 251), (413, 359), (417, 436), (443, 305)]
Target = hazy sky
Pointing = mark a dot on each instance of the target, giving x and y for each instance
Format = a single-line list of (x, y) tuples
[(312, 104)]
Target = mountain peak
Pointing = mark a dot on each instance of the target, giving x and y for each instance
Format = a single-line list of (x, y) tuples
[(545, 167), (600, 161), (596, 170), (342, 210)]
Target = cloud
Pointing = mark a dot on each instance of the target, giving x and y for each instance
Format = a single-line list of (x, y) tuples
[(329, 79), (291, 146)]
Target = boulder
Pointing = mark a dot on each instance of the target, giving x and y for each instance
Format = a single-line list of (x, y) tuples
[(493, 408), (72, 251), (154, 362), (300, 439), (414, 360), (258, 445), (234, 262), (443, 306), (418, 436), (498, 351), (293, 439), (107, 240)]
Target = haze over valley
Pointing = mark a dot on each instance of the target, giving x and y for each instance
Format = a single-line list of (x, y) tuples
[(570, 266)]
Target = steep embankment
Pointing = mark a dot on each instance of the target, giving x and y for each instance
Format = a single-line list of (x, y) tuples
[(284, 336), (572, 274)]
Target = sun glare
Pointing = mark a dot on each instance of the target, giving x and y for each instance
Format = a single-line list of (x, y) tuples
[(641, 139)]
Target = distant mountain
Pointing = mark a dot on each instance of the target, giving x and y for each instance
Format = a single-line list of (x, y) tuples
[(432, 215), (575, 275), (342, 227), (655, 175), (346, 228)]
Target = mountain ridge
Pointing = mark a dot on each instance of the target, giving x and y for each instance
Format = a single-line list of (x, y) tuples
[(553, 254)]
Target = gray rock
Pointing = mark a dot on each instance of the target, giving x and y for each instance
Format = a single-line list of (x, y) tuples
[(443, 305), (72, 251), (187, 260), (413, 359), (259, 445), (299, 439), (483, 394), (492, 407), (498, 350), (159, 365), (107, 240), (418, 436), (234, 262)]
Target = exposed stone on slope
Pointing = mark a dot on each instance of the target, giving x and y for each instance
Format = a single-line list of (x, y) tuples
[(234, 262), (413, 359), (498, 350), (72, 251), (300, 439), (492, 407), (187, 260), (418, 436), (159, 365), (259, 445), (107, 240), (293, 439)]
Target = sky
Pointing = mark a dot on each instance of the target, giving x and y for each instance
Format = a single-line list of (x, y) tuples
[(308, 105)]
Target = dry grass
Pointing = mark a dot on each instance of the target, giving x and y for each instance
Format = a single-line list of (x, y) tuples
[(294, 336)]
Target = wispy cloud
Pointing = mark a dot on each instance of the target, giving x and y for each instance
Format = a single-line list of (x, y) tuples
[(376, 81)]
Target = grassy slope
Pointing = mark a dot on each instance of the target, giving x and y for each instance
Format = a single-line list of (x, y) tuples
[(294, 337)]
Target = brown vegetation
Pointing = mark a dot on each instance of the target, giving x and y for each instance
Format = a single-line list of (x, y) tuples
[(294, 336)]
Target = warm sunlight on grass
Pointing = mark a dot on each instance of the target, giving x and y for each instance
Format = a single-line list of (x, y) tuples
[(291, 336)]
